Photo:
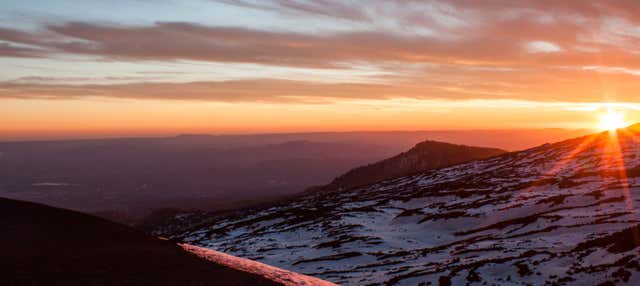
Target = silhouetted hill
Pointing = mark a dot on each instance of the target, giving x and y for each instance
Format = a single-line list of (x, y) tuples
[(425, 156), (41, 245)]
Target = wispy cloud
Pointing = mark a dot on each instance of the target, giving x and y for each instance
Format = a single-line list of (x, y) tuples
[(443, 83), (463, 50)]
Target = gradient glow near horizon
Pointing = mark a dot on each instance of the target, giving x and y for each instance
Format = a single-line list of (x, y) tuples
[(102, 68)]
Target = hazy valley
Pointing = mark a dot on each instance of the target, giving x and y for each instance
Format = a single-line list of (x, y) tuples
[(127, 179)]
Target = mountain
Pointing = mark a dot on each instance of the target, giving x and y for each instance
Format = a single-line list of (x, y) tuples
[(557, 214), (131, 177), (41, 245), (425, 156), (125, 179)]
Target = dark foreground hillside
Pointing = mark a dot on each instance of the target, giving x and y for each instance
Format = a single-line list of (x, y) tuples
[(41, 245)]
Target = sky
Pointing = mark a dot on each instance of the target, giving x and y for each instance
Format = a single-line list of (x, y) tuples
[(114, 68)]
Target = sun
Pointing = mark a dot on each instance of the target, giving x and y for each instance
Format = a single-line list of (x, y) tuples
[(611, 120)]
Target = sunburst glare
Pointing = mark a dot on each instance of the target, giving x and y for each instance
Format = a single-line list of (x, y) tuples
[(611, 120)]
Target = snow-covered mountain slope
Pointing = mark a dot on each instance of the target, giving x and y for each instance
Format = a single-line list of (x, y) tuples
[(558, 214)]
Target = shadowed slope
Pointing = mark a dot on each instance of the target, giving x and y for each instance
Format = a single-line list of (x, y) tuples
[(41, 245)]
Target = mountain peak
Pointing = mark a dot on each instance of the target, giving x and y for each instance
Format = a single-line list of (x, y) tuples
[(424, 156)]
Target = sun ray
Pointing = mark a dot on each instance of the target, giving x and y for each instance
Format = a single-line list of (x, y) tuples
[(611, 120), (561, 164), (621, 170)]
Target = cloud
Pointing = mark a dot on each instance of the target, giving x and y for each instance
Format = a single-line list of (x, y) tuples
[(542, 47), (451, 83), (274, 91), (185, 41), (12, 50), (325, 8), (461, 32), (474, 49)]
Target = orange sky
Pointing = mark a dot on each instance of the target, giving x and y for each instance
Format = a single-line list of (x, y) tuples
[(77, 69)]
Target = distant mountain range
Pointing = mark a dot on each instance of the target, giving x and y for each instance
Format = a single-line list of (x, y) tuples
[(126, 179), (557, 214), (130, 177), (41, 245), (423, 157)]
